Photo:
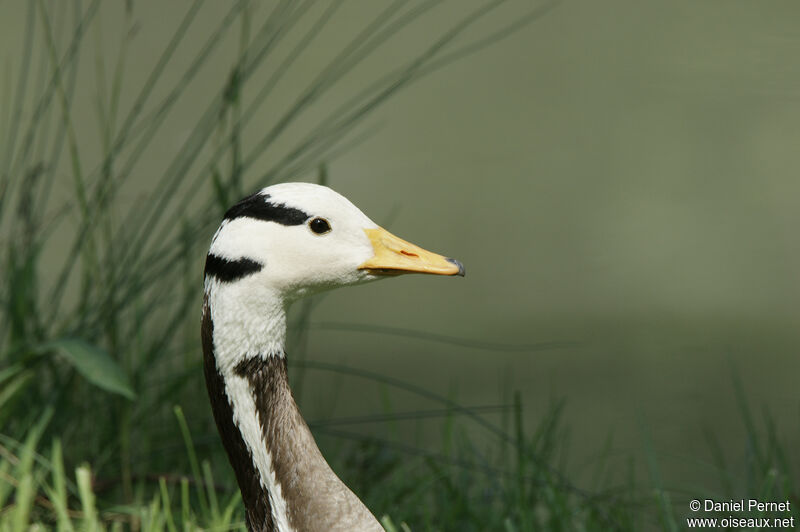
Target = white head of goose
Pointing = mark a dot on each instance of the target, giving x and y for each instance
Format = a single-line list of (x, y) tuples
[(276, 246)]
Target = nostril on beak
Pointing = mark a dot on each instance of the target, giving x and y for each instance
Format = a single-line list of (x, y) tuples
[(408, 253), (461, 270)]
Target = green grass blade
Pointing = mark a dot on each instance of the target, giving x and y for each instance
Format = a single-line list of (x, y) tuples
[(208, 481), (166, 505), (58, 493), (10, 138), (195, 466), (83, 475)]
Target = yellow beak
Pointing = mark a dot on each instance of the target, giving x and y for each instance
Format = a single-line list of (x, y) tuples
[(394, 256)]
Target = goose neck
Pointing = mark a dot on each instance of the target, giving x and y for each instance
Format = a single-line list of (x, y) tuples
[(286, 484)]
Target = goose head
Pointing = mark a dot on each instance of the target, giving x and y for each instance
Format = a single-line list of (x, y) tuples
[(278, 245), (296, 239)]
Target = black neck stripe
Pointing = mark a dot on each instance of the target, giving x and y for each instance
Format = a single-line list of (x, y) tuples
[(226, 270), (259, 207)]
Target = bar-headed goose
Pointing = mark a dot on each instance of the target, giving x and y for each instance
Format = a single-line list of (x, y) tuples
[(272, 248)]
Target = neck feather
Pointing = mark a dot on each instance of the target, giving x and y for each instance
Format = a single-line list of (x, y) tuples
[(286, 484), (248, 322)]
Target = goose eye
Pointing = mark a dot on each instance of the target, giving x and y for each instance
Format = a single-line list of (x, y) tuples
[(319, 225)]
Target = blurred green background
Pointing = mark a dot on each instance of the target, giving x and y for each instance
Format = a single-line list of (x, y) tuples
[(619, 178)]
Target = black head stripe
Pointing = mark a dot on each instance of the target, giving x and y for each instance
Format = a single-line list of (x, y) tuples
[(230, 270), (259, 207)]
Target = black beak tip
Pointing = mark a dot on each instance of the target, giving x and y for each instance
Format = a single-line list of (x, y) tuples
[(461, 270)]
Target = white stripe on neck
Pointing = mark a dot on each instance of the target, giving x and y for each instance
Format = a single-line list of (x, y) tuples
[(246, 418)]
